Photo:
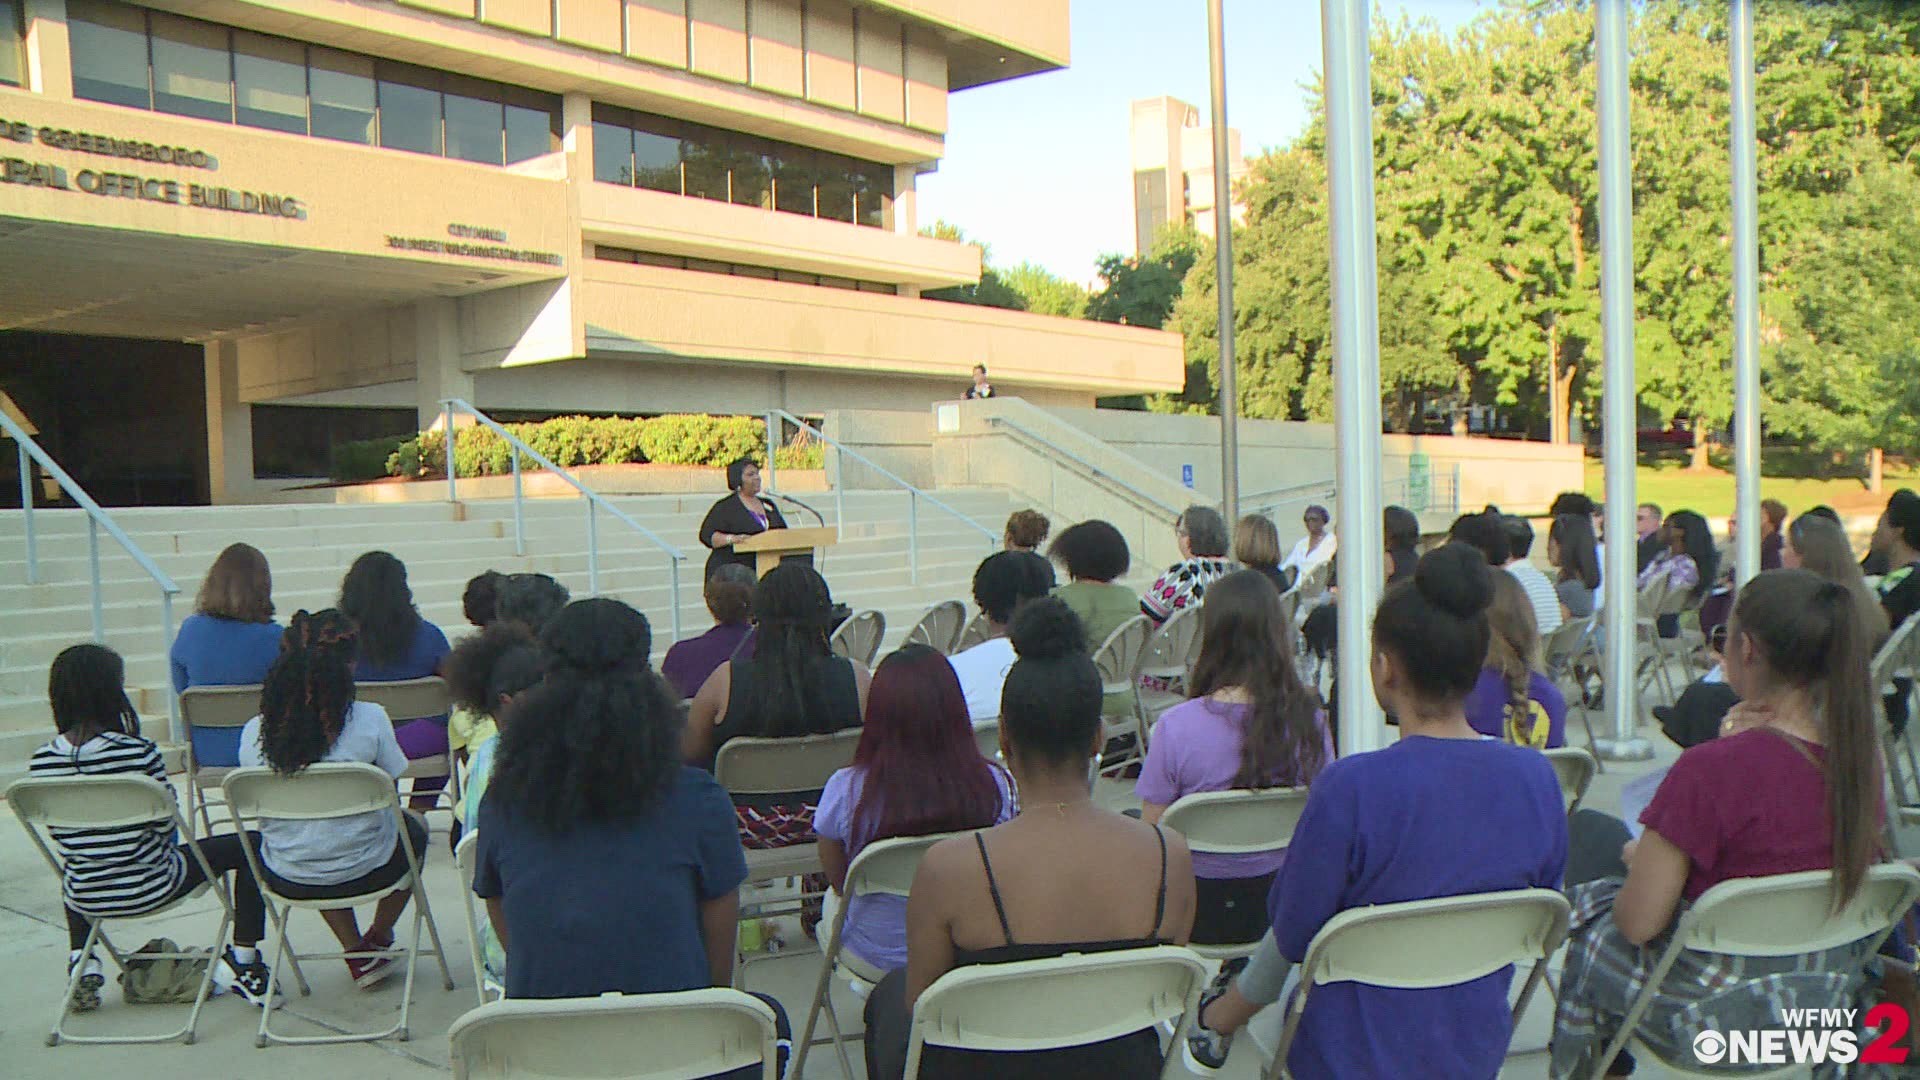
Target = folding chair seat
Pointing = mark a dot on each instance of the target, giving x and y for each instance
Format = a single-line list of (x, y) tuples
[(883, 868), (415, 699), (1239, 822), (1423, 944), (321, 792), (464, 854), (205, 708), (940, 628), (1781, 915), (858, 638), (1059, 1002), (47, 803), (1575, 769), (631, 1036)]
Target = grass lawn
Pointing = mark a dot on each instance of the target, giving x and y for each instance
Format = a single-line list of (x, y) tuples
[(1710, 493)]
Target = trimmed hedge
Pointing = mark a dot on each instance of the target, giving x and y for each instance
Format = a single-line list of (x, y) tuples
[(570, 441), (367, 459)]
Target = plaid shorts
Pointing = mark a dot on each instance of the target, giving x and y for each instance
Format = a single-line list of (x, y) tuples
[(774, 826)]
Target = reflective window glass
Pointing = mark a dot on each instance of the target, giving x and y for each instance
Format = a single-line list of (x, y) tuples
[(835, 181), (474, 128), (343, 96), (612, 153), (529, 133), (192, 68), (108, 43), (793, 180), (873, 194), (270, 82), (704, 153), (751, 162), (409, 112), (13, 43), (656, 161)]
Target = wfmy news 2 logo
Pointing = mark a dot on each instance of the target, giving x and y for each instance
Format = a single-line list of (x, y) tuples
[(1813, 1037)]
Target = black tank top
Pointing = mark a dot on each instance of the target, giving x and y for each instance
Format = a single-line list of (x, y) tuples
[(830, 695)]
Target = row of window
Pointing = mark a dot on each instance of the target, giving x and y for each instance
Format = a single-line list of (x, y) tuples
[(127, 55), (13, 43), (681, 158), (764, 273)]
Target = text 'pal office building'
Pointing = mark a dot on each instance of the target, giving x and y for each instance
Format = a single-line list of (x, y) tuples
[(237, 233)]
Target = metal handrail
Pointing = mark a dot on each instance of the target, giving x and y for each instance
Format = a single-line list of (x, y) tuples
[(1097, 472), (595, 501), (914, 494), (1281, 496), (32, 453)]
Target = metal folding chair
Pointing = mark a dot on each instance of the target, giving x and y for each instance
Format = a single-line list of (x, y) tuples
[(1239, 822), (940, 627), (635, 1037), (858, 638), (414, 699), (1119, 658), (203, 707)]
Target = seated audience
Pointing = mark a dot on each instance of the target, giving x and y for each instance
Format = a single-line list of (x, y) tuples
[(1646, 522), (1251, 723), (396, 644), (1898, 537), (1792, 786), (1402, 530), (1256, 546), (1443, 812), (1773, 524), (229, 640), (616, 871), (1512, 699), (1574, 554), (478, 601), (308, 715), (1095, 557), (1027, 530), (1202, 536), (529, 601), (1002, 584), (1540, 591), (132, 869), (1687, 564), (916, 772), (1877, 560), (1485, 532), (1313, 550), (485, 672), (792, 687), (729, 595), (1064, 876)]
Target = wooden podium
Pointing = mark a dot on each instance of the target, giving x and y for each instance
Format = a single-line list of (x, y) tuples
[(774, 545)]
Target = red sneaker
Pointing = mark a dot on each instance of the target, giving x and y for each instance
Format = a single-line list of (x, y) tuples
[(370, 971)]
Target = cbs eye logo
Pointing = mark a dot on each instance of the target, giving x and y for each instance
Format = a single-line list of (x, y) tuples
[(1710, 1047)]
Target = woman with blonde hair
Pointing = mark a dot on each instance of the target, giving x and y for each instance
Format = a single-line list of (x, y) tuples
[(229, 640), (1256, 546), (1512, 699)]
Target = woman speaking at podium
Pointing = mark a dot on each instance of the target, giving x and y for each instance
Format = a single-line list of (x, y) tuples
[(738, 516)]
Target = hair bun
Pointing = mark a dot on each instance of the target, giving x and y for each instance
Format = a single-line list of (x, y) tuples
[(1456, 579), (1047, 629)]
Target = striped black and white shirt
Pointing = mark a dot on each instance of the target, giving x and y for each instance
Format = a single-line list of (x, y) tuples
[(118, 871)]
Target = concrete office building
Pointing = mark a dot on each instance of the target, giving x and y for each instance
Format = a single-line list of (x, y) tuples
[(236, 232), (1173, 169)]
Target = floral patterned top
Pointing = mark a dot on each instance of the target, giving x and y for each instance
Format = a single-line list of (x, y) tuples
[(1184, 584)]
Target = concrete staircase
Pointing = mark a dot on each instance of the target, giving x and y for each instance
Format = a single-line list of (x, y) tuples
[(310, 548)]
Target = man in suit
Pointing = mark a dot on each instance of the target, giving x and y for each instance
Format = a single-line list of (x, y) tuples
[(981, 388), (1646, 522)]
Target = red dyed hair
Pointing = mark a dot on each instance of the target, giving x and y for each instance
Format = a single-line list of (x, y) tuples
[(924, 772)]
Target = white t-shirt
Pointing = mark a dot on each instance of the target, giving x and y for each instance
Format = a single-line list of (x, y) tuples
[(983, 673), (1305, 561), (340, 849)]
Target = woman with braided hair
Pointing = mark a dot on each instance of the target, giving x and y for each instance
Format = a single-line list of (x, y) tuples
[(308, 715)]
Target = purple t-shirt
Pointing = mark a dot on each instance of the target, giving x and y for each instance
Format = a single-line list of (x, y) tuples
[(1196, 747), (877, 924), (690, 662), (1423, 818), (1492, 712)]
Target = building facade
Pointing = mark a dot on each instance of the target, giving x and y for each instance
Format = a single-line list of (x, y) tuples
[(1173, 170), (352, 209)]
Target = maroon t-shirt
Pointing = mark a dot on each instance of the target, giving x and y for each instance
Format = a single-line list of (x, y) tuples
[(1746, 805)]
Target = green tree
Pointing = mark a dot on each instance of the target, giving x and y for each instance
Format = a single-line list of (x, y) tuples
[(1141, 290), (1044, 292)]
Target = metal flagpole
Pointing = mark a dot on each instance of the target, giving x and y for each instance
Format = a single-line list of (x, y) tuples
[(1356, 344), (1746, 297), (1619, 576), (1223, 270)]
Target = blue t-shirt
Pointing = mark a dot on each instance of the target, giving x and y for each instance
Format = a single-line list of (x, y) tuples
[(1542, 724), (211, 651), (1395, 825), (422, 658), (611, 907)]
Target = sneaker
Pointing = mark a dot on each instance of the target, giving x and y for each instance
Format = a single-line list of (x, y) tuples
[(86, 996), (1206, 1050), (370, 971), (249, 981)]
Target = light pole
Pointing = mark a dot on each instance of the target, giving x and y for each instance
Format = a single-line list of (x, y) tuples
[(1223, 270), (1746, 297)]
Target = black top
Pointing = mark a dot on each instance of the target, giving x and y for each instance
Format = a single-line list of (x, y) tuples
[(730, 515), (1282, 579), (974, 392), (1134, 1056), (1649, 549), (1900, 594), (831, 696)]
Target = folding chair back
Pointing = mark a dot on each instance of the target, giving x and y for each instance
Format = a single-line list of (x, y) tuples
[(408, 699), (940, 628), (1675, 601), (1568, 643), (986, 735), (858, 638), (636, 1037), (91, 802), (1781, 915), (1175, 647), (1575, 768), (327, 790), (1895, 656), (766, 767), (974, 634), (1119, 658), (209, 707), (464, 855), (1648, 600), (1064, 1001), (1314, 582), (1424, 944), (1238, 822)]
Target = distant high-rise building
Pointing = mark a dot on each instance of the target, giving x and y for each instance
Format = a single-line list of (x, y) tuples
[(1173, 169)]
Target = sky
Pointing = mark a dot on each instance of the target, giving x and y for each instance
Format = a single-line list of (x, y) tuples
[(1038, 168)]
